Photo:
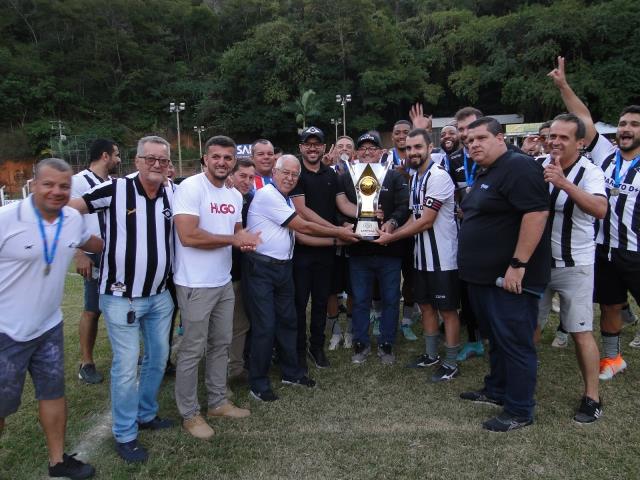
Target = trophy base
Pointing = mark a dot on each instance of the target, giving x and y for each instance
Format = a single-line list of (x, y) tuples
[(367, 229)]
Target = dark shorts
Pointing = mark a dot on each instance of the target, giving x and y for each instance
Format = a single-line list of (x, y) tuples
[(91, 296), (617, 276), (438, 289), (341, 281), (43, 357)]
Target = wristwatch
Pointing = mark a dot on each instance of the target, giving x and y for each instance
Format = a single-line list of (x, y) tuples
[(516, 263)]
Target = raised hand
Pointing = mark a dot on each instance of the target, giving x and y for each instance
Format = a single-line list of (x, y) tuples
[(558, 74)]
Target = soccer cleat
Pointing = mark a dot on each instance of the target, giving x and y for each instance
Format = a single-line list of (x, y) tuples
[(408, 333), (609, 367), (480, 396), (561, 340), (589, 410), (635, 343), (506, 422), (88, 374), (424, 361), (445, 373), (335, 340), (469, 350)]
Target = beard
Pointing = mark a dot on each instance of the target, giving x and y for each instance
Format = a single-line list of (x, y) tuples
[(634, 144), (417, 162)]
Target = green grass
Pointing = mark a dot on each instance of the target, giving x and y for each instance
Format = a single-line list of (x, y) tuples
[(361, 422)]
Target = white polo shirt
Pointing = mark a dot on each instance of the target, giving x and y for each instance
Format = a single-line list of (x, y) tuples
[(269, 213), (219, 210), (30, 300)]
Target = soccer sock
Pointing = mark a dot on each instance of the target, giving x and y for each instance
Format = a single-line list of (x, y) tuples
[(334, 325), (451, 354), (610, 344), (431, 344)]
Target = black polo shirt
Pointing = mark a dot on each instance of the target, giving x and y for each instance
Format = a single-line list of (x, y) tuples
[(236, 254), (319, 190), (512, 186), (394, 202)]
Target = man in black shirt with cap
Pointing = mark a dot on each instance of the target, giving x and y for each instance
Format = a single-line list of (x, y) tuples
[(503, 241)]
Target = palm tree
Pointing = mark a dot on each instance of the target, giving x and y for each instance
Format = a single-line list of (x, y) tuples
[(306, 107)]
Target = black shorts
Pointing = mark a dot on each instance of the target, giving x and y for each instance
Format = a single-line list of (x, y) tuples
[(42, 357), (441, 290), (616, 276), (340, 280)]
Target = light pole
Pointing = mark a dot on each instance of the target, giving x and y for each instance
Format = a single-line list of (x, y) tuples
[(199, 131), (336, 123), (177, 108), (343, 100)]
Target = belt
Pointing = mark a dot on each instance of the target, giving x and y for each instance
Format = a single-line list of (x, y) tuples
[(266, 258)]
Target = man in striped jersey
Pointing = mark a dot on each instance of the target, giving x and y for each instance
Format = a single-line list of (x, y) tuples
[(104, 158), (617, 264), (133, 294), (435, 248), (577, 196)]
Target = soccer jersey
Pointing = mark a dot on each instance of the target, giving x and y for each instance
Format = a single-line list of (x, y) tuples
[(572, 230), (436, 248), (621, 226), (81, 183)]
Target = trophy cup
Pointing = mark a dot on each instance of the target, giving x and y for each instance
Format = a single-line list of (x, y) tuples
[(367, 179)]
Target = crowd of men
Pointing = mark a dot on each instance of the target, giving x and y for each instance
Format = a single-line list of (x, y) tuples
[(474, 231)]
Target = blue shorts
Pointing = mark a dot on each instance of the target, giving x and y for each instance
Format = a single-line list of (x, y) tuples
[(43, 357)]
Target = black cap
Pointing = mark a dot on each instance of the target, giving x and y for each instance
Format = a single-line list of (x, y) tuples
[(312, 132), (372, 137)]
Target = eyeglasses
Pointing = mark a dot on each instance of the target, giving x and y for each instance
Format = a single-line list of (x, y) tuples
[(287, 173), (368, 149), (150, 160), (313, 145)]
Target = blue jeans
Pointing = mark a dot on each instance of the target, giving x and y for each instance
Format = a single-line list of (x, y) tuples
[(130, 402), (508, 321), (363, 271)]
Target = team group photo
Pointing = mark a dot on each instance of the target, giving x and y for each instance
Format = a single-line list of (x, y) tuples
[(422, 285)]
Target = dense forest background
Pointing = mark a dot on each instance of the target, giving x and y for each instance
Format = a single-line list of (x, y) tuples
[(111, 67)]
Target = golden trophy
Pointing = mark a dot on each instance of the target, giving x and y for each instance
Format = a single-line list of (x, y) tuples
[(367, 179)]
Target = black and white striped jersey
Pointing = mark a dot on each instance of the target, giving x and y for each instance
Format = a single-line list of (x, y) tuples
[(436, 248), (572, 230), (621, 226), (138, 237), (81, 183)]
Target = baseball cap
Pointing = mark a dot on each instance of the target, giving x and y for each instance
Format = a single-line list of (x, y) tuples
[(312, 132), (372, 137)]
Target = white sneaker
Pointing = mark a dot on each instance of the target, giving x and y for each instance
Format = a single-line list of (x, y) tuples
[(635, 343), (335, 340), (561, 340), (348, 340)]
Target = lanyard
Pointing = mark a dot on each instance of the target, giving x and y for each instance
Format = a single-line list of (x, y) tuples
[(48, 256), (469, 176), (418, 185), (616, 172), (396, 157), (446, 163)]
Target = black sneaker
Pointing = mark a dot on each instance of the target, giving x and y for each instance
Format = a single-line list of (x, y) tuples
[(445, 373), (71, 467), (156, 424), (266, 396), (303, 381), (319, 358), (424, 361), (505, 422), (589, 410), (480, 396), (132, 451), (88, 374)]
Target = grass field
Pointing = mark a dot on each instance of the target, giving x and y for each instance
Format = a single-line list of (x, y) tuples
[(362, 422)]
